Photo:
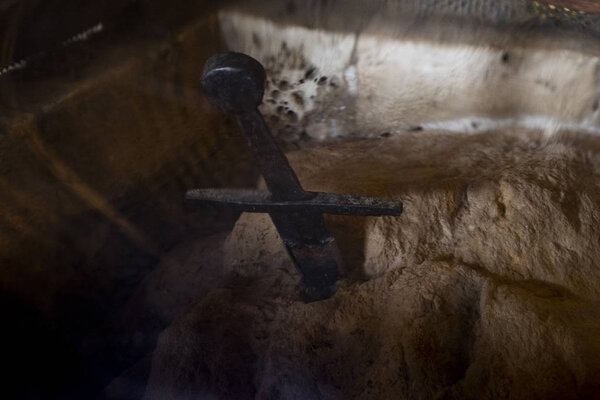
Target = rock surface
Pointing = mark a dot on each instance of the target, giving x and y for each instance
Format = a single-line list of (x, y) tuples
[(99, 140), (487, 287), (355, 68)]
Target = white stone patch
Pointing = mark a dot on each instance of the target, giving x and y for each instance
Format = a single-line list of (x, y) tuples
[(351, 80), (330, 52), (303, 67), (542, 123), (392, 83), (404, 84)]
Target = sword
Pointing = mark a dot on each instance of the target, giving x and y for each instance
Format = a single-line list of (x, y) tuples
[(235, 83)]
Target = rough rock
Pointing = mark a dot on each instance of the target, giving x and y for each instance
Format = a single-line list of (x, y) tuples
[(183, 275), (99, 141), (486, 287), (351, 68)]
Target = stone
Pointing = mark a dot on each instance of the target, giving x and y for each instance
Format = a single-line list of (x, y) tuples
[(365, 68), (486, 287), (129, 129), (99, 142), (187, 272)]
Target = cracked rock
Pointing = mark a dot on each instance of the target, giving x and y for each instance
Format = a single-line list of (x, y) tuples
[(486, 287)]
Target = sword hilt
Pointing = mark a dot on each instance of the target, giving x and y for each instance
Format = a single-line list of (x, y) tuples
[(235, 83)]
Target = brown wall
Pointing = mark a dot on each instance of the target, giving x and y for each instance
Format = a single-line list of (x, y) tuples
[(98, 144), (107, 151)]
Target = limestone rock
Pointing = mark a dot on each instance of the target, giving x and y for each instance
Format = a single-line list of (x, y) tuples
[(355, 68), (188, 272), (486, 287)]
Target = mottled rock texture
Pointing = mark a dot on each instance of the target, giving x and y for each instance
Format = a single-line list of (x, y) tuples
[(351, 68), (487, 287)]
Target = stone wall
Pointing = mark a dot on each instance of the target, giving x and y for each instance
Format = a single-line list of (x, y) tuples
[(397, 67), (98, 143)]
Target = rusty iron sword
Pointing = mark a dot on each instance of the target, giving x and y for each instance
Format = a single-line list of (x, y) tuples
[(235, 82)]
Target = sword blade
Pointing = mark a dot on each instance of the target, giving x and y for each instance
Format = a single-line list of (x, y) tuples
[(274, 166), (313, 250)]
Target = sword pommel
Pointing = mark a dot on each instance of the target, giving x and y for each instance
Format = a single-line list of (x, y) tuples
[(234, 82)]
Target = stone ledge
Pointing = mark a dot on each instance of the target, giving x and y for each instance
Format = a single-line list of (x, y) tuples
[(395, 71), (486, 286)]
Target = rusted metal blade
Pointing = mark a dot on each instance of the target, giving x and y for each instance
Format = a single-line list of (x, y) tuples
[(313, 251), (260, 201)]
